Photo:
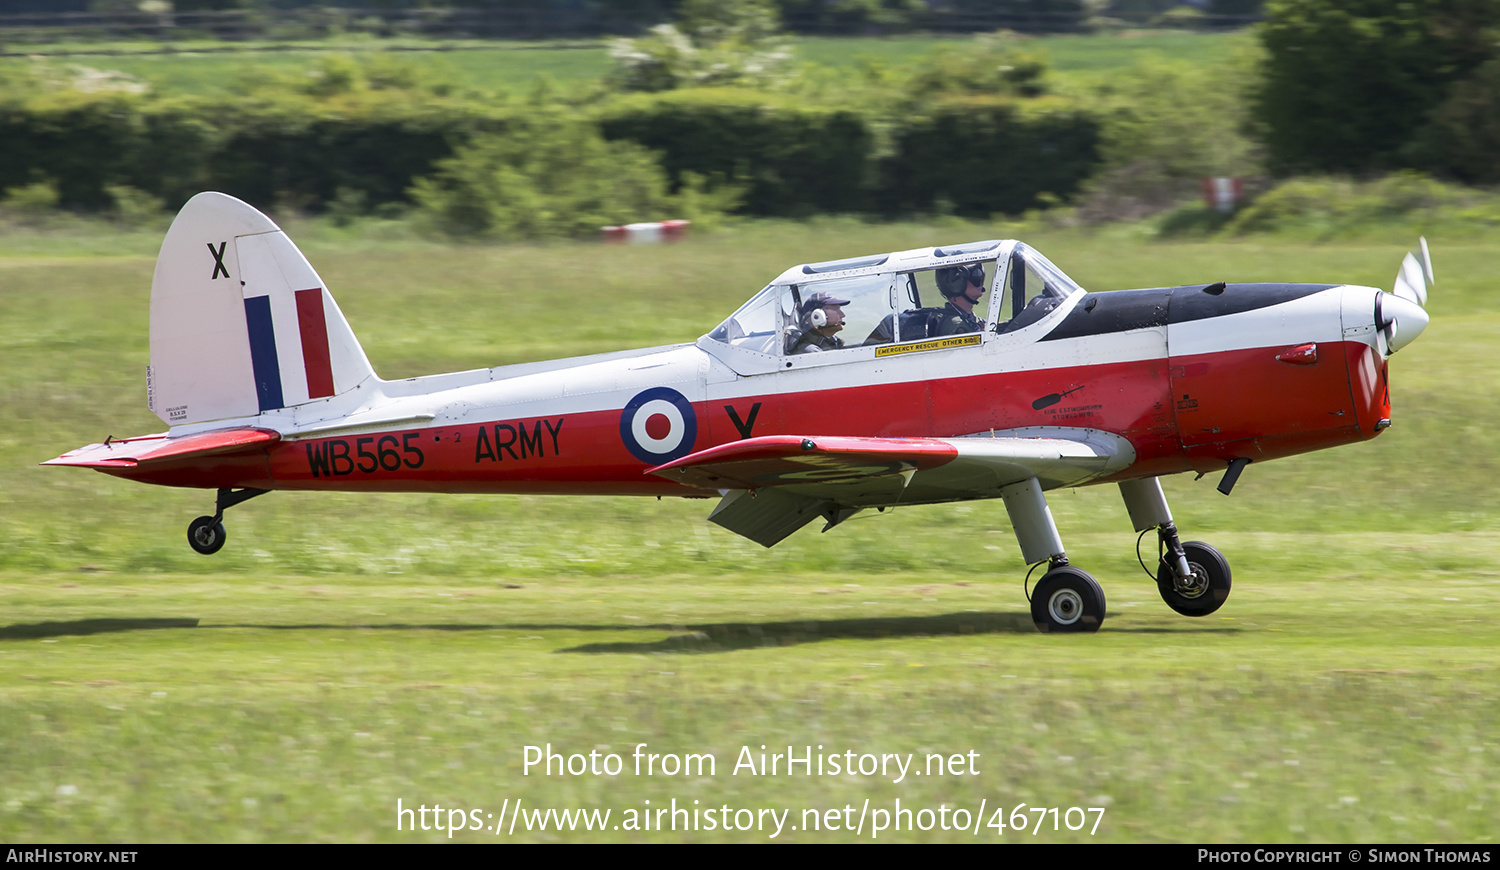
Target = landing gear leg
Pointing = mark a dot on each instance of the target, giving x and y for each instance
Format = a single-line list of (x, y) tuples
[(1066, 599), (1193, 578), (206, 535)]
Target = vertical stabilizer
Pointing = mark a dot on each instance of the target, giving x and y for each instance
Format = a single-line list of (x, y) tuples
[(240, 323)]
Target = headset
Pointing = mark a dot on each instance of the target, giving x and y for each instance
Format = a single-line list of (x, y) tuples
[(816, 317), (954, 280)]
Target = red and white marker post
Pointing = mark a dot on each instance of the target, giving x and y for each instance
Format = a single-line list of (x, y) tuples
[(1222, 194), (646, 233)]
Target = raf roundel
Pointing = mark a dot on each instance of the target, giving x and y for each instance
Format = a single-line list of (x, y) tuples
[(658, 426)]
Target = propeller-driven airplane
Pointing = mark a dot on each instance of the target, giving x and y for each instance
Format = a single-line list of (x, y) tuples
[(932, 375)]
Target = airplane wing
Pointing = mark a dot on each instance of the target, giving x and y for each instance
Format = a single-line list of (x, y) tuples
[(774, 485), (131, 452)]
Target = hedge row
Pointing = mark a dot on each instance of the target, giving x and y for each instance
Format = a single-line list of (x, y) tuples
[(791, 161), (259, 151), (975, 158), (984, 157)]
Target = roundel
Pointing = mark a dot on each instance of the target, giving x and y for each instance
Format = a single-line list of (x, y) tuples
[(658, 426)]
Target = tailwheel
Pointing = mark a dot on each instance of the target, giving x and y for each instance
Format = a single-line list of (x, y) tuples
[(1067, 600), (206, 535), (1204, 590)]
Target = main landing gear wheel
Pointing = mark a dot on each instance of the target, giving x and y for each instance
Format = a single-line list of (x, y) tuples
[(206, 535), (1202, 593), (1067, 600)]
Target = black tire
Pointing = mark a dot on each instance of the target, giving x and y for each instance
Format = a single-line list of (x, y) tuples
[(206, 535), (1209, 588), (1067, 600)]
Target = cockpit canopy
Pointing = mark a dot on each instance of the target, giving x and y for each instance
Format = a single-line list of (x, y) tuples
[(980, 287)]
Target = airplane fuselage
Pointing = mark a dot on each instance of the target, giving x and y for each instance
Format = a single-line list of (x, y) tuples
[(972, 371), (1192, 379)]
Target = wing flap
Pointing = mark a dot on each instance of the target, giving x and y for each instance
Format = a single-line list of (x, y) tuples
[(767, 516), (131, 452)]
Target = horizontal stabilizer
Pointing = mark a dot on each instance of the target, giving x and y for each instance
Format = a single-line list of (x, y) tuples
[(131, 452)]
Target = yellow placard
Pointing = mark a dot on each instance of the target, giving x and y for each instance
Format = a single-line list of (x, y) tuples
[(933, 344)]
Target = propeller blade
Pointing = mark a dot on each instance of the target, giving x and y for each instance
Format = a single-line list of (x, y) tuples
[(1410, 284), (1401, 315)]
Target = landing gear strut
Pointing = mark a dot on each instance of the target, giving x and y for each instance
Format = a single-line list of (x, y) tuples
[(1192, 577), (206, 535), (1066, 599)]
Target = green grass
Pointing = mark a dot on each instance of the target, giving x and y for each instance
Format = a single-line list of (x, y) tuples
[(215, 69), (344, 651), (1066, 55), (474, 66)]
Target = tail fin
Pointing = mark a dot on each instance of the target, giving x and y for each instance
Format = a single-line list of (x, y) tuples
[(240, 323)]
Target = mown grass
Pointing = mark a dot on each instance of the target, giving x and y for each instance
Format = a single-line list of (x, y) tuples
[(1066, 54), (345, 651), (217, 69)]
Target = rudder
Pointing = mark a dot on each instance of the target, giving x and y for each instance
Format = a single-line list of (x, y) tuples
[(241, 324)]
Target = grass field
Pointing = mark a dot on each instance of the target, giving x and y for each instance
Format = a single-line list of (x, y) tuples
[(343, 653), (486, 66)]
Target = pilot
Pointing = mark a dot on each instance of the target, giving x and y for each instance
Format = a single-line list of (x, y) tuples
[(962, 286), (820, 319)]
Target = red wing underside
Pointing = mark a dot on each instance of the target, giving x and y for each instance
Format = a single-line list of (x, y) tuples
[(132, 452), (777, 460), (776, 484)]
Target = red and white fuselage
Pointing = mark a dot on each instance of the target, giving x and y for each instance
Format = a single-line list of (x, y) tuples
[(266, 387)]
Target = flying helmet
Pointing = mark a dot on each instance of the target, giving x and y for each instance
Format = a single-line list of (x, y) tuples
[(954, 280)]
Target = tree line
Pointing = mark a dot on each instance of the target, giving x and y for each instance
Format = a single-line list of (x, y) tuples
[(709, 115)]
